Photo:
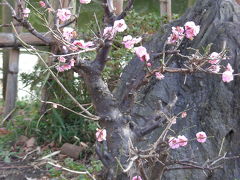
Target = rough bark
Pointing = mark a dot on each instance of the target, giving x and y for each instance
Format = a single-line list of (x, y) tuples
[(214, 105)]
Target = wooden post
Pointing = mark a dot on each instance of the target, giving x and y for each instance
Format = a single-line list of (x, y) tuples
[(6, 19), (118, 5), (12, 81), (166, 9), (12, 78)]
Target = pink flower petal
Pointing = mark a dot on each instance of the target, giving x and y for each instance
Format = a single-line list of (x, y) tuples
[(84, 1), (137, 178), (101, 135), (201, 137), (182, 140), (173, 143), (120, 25)]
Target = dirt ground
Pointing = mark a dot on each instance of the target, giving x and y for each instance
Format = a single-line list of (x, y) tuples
[(21, 171)]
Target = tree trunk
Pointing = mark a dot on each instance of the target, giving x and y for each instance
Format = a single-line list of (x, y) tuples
[(214, 105)]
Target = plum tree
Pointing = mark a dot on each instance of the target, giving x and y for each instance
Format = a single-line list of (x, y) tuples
[(170, 73)]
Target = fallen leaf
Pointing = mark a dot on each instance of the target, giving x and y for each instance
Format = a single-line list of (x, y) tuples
[(4, 131)]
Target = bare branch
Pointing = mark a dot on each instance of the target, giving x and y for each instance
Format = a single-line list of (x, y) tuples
[(26, 24)]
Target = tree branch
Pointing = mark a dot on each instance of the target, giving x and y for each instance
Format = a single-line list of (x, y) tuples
[(26, 24)]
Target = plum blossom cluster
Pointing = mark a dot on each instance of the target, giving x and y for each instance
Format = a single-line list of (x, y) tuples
[(129, 41), (118, 26), (81, 44), (64, 14), (215, 59), (142, 53), (190, 30), (64, 65), (69, 34), (181, 140), (177, 34)]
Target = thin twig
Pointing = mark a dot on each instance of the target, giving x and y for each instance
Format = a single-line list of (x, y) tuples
[(90, 115), (72, 171)]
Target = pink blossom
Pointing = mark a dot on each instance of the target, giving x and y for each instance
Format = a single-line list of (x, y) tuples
[(141, 52), (214, 68), (85, 1), (127, 38), (173, 143), (201, 137), (177, 34), (184, 114), (72, 62), (79, 43), (82, 44), (182, 140), (159, 75), (120, 25), (68, 33), (62, 59), (66, 67), (42, 4), (149, 64), (26, 12), (109, 32), (229, 68), (137, 178), (191, 30), (64, 14), (59, 68), (101, 135), (214, 58), (129, 41), (227, 76)]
